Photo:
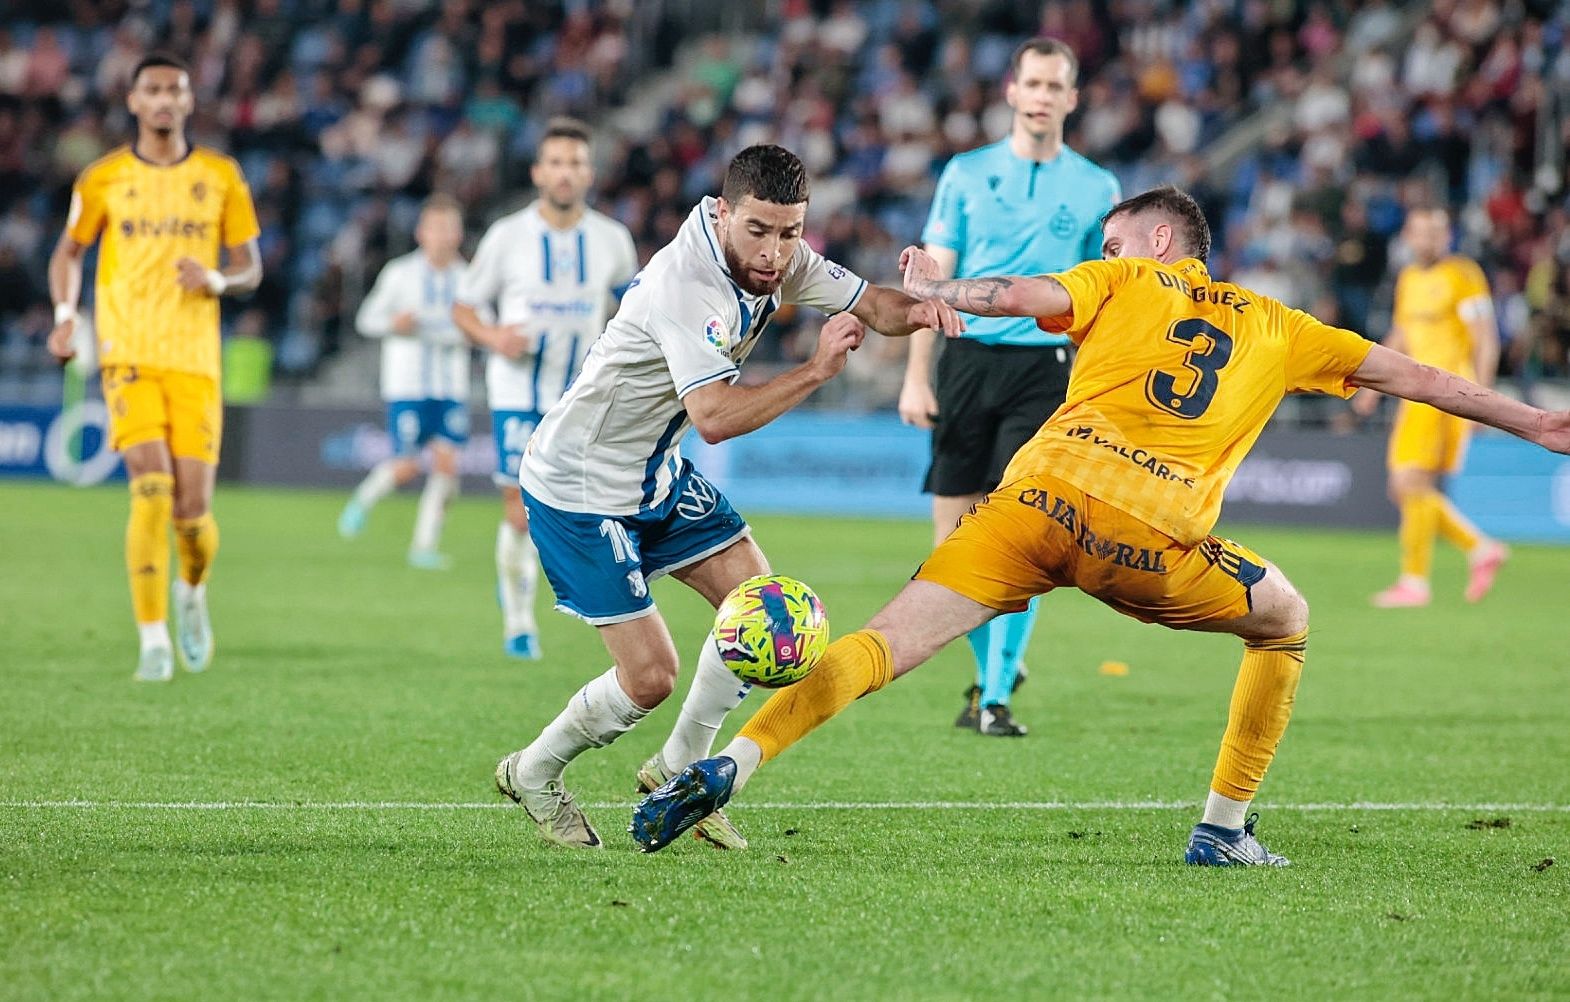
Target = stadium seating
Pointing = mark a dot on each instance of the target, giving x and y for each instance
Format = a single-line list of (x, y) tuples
[(1304, 129)]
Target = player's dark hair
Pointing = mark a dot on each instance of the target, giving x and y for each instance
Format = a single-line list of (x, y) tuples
[(1188, 219), (1425, 205), (153, 59), (1045, 47), (767, 173), (563, 127), (440, 201)]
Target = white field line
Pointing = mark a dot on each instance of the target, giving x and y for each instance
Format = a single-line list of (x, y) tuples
[(826, 805)]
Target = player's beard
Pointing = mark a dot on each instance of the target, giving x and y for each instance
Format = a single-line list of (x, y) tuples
[(561, 206), (742, 277)]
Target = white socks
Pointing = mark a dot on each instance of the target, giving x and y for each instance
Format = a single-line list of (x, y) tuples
[(747, 756), (518, 574), (715, 692), (596, 715), (439, 489), (153, 634), (377, 484), (1224, 811)]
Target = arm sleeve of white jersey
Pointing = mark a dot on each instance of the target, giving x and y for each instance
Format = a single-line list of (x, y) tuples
[(377, 309), (481, 283), (695, 333), (626, 262), (813, 280)]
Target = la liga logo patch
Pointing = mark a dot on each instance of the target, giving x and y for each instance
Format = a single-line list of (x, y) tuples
[(714, 333)]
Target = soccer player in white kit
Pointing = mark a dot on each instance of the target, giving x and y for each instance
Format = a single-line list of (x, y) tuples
[(551, 273), (612, 504), (425, 377)]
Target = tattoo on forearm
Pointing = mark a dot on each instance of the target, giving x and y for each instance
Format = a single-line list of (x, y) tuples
[(973, 295)]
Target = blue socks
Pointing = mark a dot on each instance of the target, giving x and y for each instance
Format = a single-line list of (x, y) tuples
[(999, 646)]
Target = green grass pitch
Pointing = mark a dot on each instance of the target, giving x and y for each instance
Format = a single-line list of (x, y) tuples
[(359, 706)]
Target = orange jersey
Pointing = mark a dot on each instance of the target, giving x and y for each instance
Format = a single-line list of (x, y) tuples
[(1175, 378), (1433, 307), (149, 217)]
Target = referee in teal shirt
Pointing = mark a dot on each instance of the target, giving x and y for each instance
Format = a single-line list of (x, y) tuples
[(1023, 206)]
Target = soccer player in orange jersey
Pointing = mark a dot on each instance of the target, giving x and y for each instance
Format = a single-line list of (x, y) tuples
[(1444, 317), (1117, 495), (161, 210)]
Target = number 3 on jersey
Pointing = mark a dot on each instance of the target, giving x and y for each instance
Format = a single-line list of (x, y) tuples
[(1187, 394)]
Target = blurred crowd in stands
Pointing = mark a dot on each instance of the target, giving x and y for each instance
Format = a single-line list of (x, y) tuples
[(1304, 128)]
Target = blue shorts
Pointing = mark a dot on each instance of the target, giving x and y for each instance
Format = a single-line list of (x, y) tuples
[(512, 430), (413, 423), (600, 565)]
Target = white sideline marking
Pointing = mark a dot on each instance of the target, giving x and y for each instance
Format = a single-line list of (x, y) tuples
[(827, 805)]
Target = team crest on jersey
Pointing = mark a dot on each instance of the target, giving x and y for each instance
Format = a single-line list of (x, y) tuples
[(1063, 223), (199, 190), (714, 333)]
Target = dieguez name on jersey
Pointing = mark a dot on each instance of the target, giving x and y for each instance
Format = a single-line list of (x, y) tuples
[(1141, 458), (1204, 293)]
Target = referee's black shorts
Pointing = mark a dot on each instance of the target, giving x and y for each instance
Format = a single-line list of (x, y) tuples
[(991, 400)]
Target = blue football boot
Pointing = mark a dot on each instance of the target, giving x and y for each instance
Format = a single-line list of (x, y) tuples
[(523, 645), (1212, 845), (690, 796)]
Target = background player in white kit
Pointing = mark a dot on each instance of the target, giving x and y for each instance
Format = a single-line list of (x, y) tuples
[(612, 503), (425, 377), (550, 272)]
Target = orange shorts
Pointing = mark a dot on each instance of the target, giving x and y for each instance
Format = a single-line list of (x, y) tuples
[(1039, 533), (1424, 438), (159, 405)]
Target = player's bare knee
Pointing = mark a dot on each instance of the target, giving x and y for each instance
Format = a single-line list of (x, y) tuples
[(189, 505), (1294, 615), (651, 682), (1276, 609)]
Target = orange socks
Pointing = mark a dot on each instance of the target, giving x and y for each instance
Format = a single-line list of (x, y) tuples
[(853, 666), (1419, 524), (147, 545), (1261, 706), (196, 541)]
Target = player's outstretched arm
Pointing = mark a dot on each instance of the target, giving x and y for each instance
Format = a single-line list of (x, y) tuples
[(1002, 296), (1394, 373), (722, 410), (65, 291), (892, 312)]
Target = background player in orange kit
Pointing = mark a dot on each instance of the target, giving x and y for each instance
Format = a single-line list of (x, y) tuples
[(163, 209), (1117, 495), (1444, 317)]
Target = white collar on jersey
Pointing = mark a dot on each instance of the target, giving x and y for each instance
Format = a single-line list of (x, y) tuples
[(533, 208)]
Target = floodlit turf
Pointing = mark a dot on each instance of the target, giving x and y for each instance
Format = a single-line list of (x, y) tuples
[(350, 696)]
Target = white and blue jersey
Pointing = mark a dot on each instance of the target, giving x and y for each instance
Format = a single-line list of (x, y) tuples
[(1005, 215), (424, 375), (611, 501), (560, 285)]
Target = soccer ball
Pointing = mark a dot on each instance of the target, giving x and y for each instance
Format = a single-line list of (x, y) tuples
[(771, 631)]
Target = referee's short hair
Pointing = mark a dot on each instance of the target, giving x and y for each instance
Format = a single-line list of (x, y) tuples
[(1045, 47), (767, 173), (1185, 215)]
